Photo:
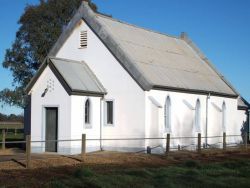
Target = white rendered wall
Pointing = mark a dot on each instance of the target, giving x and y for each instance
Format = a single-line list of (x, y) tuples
[(78, 126), (55, 97), (129, 98), (183, 116)]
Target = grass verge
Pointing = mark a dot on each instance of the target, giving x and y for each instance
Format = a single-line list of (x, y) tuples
[(188, 174)]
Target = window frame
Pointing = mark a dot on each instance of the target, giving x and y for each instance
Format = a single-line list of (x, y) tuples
[(106, 112), (88, 124), (197, 118), (168, 114)]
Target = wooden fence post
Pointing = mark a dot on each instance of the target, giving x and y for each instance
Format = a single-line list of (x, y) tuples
[(28, 158), (246, 140), (168, 143), (83, 146), (179, 147), (3, 139), (224, 141), (148, 150), (199, 142)]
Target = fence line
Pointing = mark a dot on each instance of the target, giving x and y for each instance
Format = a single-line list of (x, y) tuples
[(112, 139), (168, 138)]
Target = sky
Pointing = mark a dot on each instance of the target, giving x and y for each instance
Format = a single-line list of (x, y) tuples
[(220, 28)]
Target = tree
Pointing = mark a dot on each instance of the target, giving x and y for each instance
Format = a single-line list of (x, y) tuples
[(40, 27), (11, 117)]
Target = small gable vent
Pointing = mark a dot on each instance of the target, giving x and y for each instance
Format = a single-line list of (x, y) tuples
[(83, 39)]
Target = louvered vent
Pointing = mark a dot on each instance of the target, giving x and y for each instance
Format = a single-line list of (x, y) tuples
[(83, 39)]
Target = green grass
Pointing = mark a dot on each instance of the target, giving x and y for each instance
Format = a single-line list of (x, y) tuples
[(189, 174), (12, 137)]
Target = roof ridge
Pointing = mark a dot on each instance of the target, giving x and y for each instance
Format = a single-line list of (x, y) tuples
[(136, 26)]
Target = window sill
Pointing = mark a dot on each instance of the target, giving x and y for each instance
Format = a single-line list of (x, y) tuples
[(109, 125), (88, 126)]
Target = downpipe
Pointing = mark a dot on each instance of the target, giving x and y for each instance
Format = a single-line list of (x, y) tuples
[(101, 115), (207, 98)]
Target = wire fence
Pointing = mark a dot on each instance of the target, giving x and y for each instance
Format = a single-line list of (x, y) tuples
[(159, 145)]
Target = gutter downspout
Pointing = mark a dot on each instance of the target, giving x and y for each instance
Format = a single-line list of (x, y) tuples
[(101, 100), (208, 97)]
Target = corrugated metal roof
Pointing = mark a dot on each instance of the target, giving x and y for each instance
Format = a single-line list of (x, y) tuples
[(78, 75), (154, 60), (164, 60)]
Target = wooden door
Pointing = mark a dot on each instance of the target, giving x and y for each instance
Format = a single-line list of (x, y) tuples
[(51, 129)]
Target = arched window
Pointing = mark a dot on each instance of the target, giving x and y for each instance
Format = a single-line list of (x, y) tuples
[(198, 116), (167, 114), (87, 111), (224, 117)]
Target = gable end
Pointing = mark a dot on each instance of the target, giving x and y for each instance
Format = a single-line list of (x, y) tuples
[(97, 89)]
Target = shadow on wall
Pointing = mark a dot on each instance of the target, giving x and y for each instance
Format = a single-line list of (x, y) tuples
[(176, 130), (188, 129)]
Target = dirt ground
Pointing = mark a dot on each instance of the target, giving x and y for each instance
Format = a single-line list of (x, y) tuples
[(46, 166), (14, 159)]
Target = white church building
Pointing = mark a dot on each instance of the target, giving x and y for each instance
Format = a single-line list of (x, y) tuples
[(109, 79)]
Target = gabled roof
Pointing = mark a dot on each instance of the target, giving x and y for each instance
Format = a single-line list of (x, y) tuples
[(166, 62), (154, 60), (76, 77)]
